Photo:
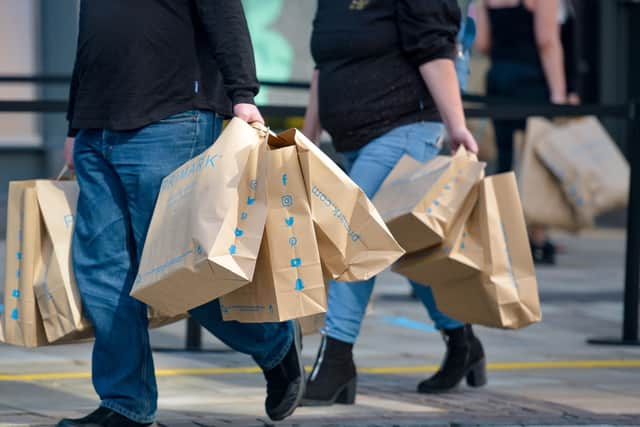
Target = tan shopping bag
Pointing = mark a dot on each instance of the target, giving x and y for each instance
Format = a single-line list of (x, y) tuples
[(205, 234), (483, 273), (591, 169), (420, 201), (42, 298), (288, 282), (543, 200), (353, 240), (55, 288), (22, 323)]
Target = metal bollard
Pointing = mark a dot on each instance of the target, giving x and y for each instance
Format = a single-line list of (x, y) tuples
[(194, 336), (632, 271)]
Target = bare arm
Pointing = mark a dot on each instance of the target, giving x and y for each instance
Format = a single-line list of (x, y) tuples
[(483, 29), (312, 126), (547, 32), (440, 77)]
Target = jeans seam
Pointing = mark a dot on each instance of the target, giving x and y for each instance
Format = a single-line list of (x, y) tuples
[(125, 412), (196, 130)]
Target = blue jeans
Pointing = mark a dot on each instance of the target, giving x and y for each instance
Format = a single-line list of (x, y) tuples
[(368, 167), (119, 174)]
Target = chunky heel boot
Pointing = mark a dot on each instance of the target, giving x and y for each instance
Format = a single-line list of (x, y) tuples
[(464, 359), (348, 394), (477, 376), (334, 378)]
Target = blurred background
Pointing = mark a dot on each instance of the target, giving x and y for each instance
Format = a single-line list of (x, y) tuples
[(38, 40)]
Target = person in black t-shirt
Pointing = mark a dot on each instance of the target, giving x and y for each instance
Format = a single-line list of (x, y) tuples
[(384, 82), (151, 83)]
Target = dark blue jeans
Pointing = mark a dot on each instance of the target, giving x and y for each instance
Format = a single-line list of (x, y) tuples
[(119, 174)]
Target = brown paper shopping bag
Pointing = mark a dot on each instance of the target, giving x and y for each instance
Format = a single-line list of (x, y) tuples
[(353, 240), (55, 289), (22, 323), (207, 225), (42, 298), (288, 282), (589, 166), (543, 199), (420, 201), (483, 273)]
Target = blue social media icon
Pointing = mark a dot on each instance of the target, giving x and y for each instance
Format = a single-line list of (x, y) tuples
[(244, 216), (15, 293), (299, 284), (287, 200), (251, 200), (296, 262), (19, 255), (14, 314), (233, 249), (1, 308), (289, 221), (284, 179), (239, 232), (253, 184)]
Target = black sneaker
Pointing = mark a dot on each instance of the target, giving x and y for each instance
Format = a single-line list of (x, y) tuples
[(102, 417), (285, 382)]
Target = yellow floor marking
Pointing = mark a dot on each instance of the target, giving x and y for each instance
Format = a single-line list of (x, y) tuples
[(506, 366)]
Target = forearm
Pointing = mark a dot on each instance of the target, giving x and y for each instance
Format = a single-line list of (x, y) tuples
[(442, 81), (312, 127), (552, 59), (226, 27)]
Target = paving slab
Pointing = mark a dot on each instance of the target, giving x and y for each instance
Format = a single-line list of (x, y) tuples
[(545, 374)]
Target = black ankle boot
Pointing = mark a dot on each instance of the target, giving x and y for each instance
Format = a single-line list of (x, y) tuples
[(285, 382), (464, 358), (102, 417), (333, 379)]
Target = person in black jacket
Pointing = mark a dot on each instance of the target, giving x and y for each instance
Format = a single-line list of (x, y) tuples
[(151, 83), (384, 82)]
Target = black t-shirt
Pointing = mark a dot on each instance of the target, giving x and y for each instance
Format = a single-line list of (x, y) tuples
[(139, 61), (368, 54)]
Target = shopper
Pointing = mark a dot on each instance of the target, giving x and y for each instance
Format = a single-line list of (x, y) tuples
[(384, 82), (522, 38), (151, 83)]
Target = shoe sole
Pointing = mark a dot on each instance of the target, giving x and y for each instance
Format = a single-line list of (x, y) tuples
[(297, 341)]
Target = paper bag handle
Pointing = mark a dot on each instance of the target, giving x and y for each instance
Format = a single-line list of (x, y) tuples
[(262, 129), (64, 172)]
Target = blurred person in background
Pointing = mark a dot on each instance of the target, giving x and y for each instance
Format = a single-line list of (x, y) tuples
[(523, 41), (385, 85), (151, 83), (569, 21)]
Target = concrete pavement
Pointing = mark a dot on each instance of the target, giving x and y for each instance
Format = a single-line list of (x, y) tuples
[(543, 375)]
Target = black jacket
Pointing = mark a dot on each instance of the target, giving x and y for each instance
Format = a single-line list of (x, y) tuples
[(368, 53), (139, 61)]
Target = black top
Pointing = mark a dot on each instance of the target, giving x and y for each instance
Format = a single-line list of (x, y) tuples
[(368, 53), (513, 35), (139, 61)]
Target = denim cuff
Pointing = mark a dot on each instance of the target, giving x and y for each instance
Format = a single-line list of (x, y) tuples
[(127, 413)]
